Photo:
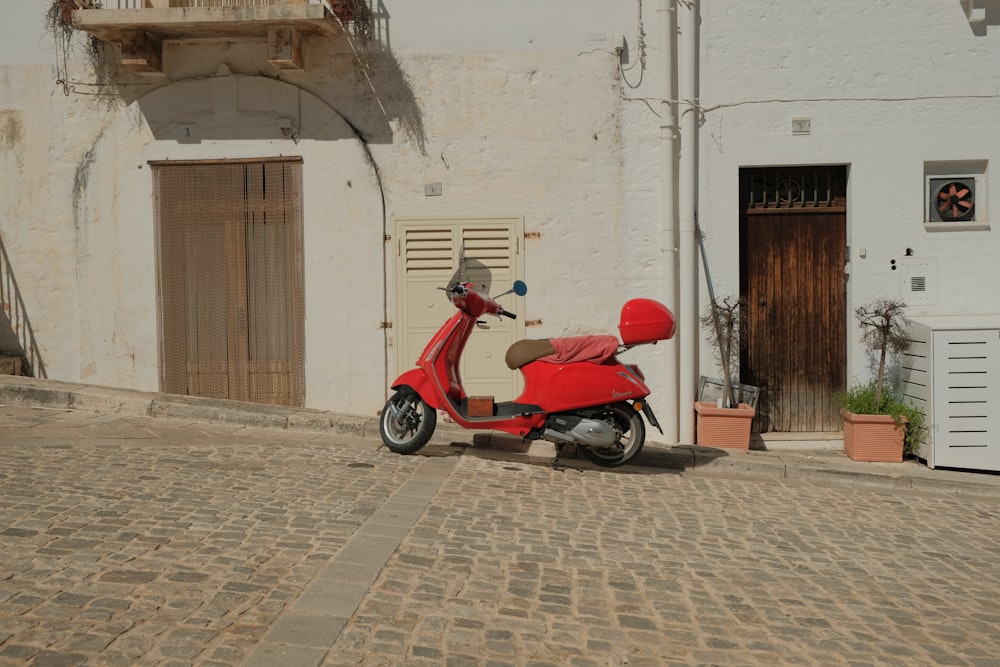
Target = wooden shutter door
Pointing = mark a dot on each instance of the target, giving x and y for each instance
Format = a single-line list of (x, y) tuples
[(230, 279)]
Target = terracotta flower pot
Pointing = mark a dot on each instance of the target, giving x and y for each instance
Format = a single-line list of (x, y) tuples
[(875, 438), (723, 427), (344, 9)]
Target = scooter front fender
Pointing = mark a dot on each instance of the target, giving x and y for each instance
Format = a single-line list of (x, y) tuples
[(418, 380)]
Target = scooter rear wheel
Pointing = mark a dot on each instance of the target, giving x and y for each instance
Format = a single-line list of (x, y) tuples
[(631, 436), (407, 422)]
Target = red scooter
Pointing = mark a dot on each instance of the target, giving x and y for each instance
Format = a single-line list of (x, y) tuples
[(576, 391)]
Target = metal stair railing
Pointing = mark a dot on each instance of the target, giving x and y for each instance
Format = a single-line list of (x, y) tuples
[(150, 4), (17, 315)]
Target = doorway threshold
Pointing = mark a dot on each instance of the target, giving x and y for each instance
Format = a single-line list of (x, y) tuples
[(800, 440)]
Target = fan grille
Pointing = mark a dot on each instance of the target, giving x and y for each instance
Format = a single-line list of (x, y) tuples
[(952, 199)]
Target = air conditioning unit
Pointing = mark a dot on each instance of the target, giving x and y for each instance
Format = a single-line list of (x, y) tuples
[(951, 373), (951, 199)]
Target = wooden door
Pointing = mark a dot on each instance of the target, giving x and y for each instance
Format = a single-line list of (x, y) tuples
[(793, 250), (231, 279)]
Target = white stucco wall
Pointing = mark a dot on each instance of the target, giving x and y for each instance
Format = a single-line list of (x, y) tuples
[(887, 86), (39, 184), (516, 109), (510, 124)]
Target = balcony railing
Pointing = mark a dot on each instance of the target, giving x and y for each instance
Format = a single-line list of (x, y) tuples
[(163, 4), (185, 19), (141, 26)]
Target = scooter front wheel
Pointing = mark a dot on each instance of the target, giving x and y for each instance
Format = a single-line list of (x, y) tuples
[(631, 436), (407, 422)]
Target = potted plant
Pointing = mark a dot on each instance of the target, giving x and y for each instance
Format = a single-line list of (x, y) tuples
[(878, 426), (727, 422)]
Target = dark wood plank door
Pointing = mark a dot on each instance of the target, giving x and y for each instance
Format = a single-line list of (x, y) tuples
[(793, 240)]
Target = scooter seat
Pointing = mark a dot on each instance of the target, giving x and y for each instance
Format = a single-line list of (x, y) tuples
[(525, 351), (568, 350), (577, 349)]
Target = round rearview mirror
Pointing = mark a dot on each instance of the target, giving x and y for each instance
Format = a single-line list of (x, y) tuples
[(520, 288)]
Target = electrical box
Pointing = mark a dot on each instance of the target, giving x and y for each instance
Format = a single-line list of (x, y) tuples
[(951, 373)]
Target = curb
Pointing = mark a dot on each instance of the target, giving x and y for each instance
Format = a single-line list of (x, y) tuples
[(16, 390), (822, 465)]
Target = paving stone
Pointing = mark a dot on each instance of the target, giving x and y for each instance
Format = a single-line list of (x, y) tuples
[(303, 629), (19, 651), (270, 655)]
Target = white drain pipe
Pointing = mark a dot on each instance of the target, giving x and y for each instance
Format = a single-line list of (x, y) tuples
[(687, 198), (668, 203)]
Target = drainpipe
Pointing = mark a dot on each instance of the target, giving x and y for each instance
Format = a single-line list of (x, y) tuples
[(668, 174), (687, 198)]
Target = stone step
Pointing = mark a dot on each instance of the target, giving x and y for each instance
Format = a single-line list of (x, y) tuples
[(11, 364)]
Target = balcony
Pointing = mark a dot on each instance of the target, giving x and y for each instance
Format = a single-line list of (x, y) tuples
[(141, 26)]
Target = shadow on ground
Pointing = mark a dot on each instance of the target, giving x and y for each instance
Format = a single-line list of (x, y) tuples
[(653, 459)]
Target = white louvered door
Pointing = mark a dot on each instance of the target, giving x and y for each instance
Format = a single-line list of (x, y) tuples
[(427, 254)]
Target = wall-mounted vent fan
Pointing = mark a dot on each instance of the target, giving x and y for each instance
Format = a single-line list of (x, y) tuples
[(952, 199)]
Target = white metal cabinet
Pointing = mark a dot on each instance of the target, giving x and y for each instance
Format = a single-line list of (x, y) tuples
[(951, 372)]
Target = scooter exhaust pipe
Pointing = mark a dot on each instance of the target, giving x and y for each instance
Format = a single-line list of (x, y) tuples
[(573, 430)]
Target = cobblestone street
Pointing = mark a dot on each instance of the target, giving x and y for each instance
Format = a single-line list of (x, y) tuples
[(138, 541), (525, 565), (141, 541)]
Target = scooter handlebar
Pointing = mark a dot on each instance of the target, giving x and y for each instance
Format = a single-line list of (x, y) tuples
[(470, 300)]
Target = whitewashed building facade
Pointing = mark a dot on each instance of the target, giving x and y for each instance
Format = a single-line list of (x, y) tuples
[(577, 145)]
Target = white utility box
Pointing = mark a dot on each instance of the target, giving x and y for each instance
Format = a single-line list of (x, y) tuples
[(951, 373)]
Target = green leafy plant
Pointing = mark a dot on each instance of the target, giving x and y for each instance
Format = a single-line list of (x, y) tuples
[(59, 22), (883, 333), (869, 399)]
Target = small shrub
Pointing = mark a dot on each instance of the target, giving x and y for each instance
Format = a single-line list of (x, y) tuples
[(725, 319), (861, 399)]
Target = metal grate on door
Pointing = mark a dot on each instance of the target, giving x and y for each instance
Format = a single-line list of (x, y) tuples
[(230, 279), (794, 188)]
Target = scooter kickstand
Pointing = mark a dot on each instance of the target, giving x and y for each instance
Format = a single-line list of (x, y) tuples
[(559, 465)]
